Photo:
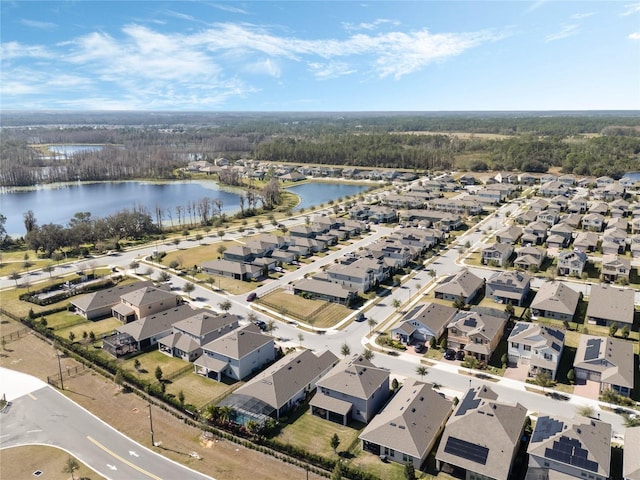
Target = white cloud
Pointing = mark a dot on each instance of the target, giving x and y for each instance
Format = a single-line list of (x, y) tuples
[(580, 16), (566, 31), (39, 25), (369, 26), (634, 36), (631, 9), (228, 8), (535, 5), (264, 67), (12, 50), (326, 71)]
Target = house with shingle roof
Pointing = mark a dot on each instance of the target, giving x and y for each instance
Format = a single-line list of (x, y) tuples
[(497, 253), (571, 263), (630, 457), (466, 449), (189, 335), (477, 332), (464, 284), (143, 302), (529, 257), (281, 387), (535, 233), (615, 267), (355, 389), (562, 448), (510, 234), (537, 346), (237, 354), (564, 231), (555, 300), (323, 290), (509, 286), (593, 222), (586, 242), (423, 322), (606, 360), (236, 270), (608, 305), (408, 427), (99, 304)]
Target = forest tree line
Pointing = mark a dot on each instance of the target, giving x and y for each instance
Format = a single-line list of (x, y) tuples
[(532, 144)]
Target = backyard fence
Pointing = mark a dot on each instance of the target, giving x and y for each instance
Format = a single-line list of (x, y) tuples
[(15, 335), (66, 373)]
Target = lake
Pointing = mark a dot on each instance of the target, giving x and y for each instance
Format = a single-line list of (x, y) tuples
[(69, 150), (59, 204)]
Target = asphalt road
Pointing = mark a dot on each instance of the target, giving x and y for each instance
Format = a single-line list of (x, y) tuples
[(46, 417)]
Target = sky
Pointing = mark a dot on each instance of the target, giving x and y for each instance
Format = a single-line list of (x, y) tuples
[(320, 55)]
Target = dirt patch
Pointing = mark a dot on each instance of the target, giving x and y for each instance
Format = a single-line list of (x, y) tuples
[(127, 413)]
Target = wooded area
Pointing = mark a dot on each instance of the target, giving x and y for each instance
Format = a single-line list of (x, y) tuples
[(159, 144)]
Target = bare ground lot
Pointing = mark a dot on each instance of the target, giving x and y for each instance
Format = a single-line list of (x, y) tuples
[(22, 462), (126, 412)]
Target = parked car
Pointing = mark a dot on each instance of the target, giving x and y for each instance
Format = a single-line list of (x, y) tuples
[(261, 324), (420, 348), (460, 355), (360, 317), (251, 297), (279, 269), (450, 354)]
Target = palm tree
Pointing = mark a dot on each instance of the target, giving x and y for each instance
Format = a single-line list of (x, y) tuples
[(15, 276), (422, 371), (345, 349), (368, 354), (372, 323), (71, 466), (395, 303), (225, 305)]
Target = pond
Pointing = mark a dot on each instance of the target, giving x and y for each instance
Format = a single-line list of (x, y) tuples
[(69, 150), (58, 204)]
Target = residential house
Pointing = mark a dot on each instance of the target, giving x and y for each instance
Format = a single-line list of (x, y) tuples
[(482, 437), (606, 360), (529, 257), (593, 222), (538, 205), (535, 233), (601, 208), (617, 223), (578, 205), (568, 179), (360, 274), (328, 291), (423, 322), (408, 427), (95, 305), (526, 179), (525, 218), (572, 263), (608, 305), (548, 177), (559, 203), (550, 217), (604, 181), (477, 332), (635, 246), (237, 354), (586, 242), (236, 270), (355, 389), (189, 335), (510, 286), (146, 332), (572, 220), (510, 234), (630, 457), (555, 300), (614, 241), (143, 302), (467, 179), (464, 284), (615, 268), (564, 231), (280, 388), (497, 253), (536, 346), (562, 448), (635, 225), (553, 188)]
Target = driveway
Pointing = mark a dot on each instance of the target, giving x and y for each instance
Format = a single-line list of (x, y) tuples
[(516, 372), (587, 389)]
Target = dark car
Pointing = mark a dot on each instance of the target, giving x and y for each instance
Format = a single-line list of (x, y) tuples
[(251, 297), (460, 355), (450, 354), (261, 324), (420, 348), (360, 317)]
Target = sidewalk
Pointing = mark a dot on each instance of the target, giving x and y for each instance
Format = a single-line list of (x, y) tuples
[(15, 384)]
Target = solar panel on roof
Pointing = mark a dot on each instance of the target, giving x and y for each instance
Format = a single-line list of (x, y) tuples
[(545, 428), (520, 327), (470, 322), (467, 450), (569, 451), (468, 402), (593, 349)]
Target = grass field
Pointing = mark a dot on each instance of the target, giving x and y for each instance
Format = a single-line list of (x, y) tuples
[(322, 314), (23, 462), (198, 390)]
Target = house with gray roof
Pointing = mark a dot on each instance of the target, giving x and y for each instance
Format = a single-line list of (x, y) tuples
[(464, 284), (143, 302), (236, 270), (478, 332), (563, 449), (98, 304), (147, 331), (606, 360), (408, 427), (608, 305), (324, 290), (529, 257), (563, 230), (510, 234), (614, 268), (630, 458), (497, 254), (535, 233), (423, 322), (593, 222), (280, 388), (237, 354), (537, 346), (189, 335), (509, 286), (467, 450), (555, 300), (355, 389), (586, 242)]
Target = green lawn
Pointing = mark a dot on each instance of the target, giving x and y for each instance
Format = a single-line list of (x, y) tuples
[(148, 363), (108, 325), (197, 389), (322, 314)]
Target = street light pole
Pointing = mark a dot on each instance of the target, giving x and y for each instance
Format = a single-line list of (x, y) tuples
[(60, 369), (151, 425)]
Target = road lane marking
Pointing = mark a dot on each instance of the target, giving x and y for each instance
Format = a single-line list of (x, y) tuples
[(33, 397), (127, 462), (34, 431)]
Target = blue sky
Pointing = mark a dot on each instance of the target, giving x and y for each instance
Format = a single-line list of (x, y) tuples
[(320, 56)]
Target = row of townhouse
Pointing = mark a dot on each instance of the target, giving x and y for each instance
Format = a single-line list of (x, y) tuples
[(361, 271)]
